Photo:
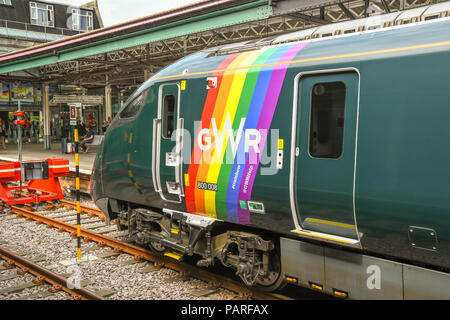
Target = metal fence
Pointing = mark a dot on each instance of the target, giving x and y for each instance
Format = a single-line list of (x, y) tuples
[(14, 29)]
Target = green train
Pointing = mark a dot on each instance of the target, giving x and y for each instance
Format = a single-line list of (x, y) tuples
[(321, 161)]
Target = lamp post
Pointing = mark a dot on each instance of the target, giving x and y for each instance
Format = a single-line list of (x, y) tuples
[(19, 123)]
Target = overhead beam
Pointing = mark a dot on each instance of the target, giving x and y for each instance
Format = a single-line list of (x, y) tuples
[(20, 78), (102, 62), (346, 11), (168, 49), (86, 76), (307, 18), (31, 74), (386, 6), (137, 59)]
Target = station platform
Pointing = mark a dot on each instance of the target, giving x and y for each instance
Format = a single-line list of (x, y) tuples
[(34, 151)]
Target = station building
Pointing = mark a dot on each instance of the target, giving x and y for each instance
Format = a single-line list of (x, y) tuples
[(25, 24)]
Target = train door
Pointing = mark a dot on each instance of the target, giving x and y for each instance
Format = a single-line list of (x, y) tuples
[(167, 142), (323, 172)]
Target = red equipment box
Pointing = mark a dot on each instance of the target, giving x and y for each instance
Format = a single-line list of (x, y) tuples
[(41, 178)]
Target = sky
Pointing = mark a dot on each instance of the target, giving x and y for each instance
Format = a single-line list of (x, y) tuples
[(117, 11)]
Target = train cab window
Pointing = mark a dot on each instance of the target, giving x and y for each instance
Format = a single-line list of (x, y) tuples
[(133, 107), (168, 116), (326, 134)]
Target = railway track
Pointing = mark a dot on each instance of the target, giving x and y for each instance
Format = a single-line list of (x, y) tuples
[(91, 233), (42, 278), (68, 183)]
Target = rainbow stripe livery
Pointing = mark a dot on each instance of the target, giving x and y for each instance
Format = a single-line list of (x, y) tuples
[(236, 118)]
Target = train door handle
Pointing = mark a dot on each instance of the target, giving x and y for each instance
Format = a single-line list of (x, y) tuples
[(297, 151), (173, 187), (172, 159), (155, 154), (179, 156)]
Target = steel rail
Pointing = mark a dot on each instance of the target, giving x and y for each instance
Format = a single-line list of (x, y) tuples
[(87, 209), (139, 253), (58, 282)]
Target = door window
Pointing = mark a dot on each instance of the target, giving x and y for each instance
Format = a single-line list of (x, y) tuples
[(168, 116), (326, 134)]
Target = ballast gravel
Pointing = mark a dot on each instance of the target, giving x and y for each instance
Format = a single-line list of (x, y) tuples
[(127, 281)]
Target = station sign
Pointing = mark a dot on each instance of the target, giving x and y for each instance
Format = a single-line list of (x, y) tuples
[(74, 110), (85, 100)]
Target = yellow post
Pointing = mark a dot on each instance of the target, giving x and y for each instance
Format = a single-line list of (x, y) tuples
[(77, 183)]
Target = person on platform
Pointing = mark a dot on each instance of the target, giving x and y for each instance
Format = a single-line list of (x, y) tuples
[(10, 128), (106, 124), (35, 129), (88, 138), (93, 125), (82, 131), (2, 133), (27, 129)]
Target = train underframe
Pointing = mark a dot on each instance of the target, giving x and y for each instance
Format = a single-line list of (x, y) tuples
[(268, 260), (254, 257)]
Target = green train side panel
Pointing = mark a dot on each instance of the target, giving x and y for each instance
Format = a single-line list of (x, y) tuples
[(401, 183), (403, 159)]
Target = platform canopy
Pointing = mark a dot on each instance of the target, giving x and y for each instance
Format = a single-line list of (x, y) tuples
[(126, 54)]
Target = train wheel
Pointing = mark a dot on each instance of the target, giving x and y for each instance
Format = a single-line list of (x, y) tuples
[(157, 247), (274, 280)]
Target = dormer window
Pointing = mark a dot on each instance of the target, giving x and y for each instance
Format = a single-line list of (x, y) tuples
[(42, 14), (82, 20)]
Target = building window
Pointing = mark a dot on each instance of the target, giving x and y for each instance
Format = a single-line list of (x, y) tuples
[(8, 2), (82, 20), (326, 134), (42, 14)]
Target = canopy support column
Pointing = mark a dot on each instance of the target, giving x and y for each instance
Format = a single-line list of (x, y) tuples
[(108, 101), (46, 114)]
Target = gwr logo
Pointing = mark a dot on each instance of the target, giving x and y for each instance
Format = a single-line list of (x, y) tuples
[(252, 137)]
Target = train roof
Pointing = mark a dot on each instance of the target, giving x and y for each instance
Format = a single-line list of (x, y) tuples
[(393, 33), (373, 22)]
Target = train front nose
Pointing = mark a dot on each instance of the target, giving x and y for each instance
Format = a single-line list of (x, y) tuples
[(96, 185), (91, 183), (100, 200)]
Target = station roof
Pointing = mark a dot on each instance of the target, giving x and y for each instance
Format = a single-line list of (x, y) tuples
[(202, 9), (126, 54)]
